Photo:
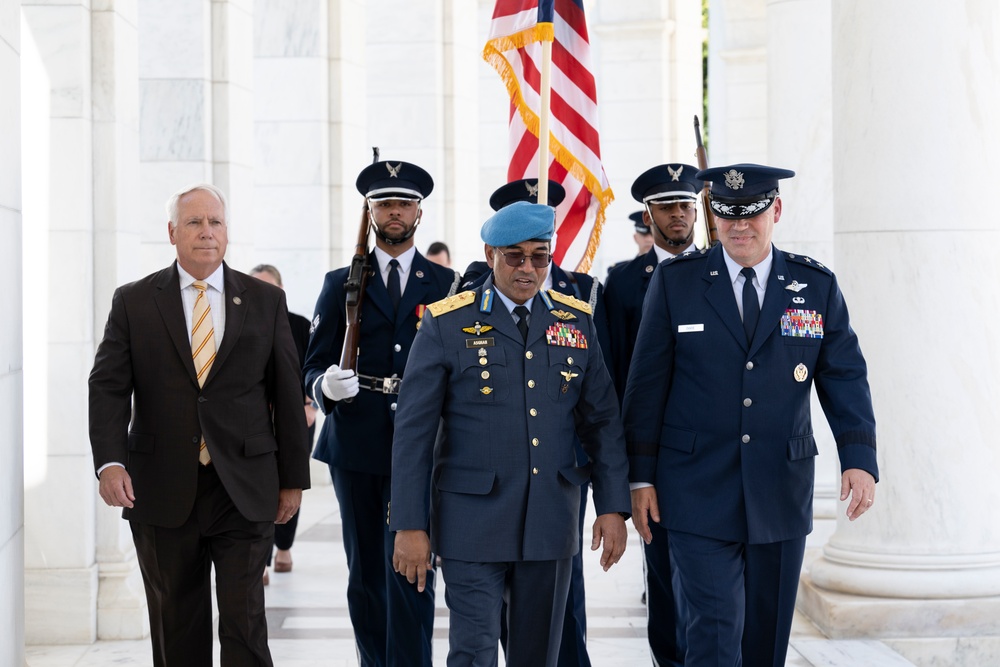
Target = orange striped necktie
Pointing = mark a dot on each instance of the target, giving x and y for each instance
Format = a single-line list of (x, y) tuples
[(202, 348)]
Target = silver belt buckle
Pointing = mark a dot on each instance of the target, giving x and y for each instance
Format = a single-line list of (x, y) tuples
[(391, 385)]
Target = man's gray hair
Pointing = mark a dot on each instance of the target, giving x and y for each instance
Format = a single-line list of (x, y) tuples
[(173, 202)]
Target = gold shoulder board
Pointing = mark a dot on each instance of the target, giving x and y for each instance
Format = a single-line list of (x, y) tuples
[(570, 301), (451, 303)]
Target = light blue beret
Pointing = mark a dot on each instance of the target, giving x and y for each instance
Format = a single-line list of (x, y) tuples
[(517, 222)]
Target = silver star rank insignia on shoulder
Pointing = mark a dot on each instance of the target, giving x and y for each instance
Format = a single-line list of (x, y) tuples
[(477, 328)]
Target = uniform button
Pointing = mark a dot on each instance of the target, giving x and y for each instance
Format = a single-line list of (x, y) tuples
[(749, 365), (482, 361), (531, 384), (202, 399), (392, 407), (534, 441), (196, 440), (528, 354), (534, 471), (397, 347), (485, 375), (745, 438), (569, 360), (533, 412), (747, 402)]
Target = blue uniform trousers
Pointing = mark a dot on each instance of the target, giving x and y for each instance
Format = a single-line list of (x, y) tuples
[(665, 610), (375, 592), (740, 598), (535, 597)]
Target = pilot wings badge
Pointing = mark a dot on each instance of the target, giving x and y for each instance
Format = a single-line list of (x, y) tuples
[(477, 328), (796, 286)]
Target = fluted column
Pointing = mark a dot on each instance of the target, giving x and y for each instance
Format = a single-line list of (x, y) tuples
[(917, 123), (11, 373)]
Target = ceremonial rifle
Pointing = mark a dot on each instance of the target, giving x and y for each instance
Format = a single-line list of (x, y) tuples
[(354, 288), (711, 230)]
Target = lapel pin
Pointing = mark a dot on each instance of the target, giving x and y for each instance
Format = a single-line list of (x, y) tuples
[(237, 300), (420, 274)]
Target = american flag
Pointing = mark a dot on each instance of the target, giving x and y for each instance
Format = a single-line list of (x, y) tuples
[(514, 50)]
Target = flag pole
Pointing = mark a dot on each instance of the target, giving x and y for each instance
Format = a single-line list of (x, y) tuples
[(543, 124)]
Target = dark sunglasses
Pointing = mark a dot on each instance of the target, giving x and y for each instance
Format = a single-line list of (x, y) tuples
[(516, 259)]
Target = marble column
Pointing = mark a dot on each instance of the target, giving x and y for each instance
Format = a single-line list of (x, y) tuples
[(647, 62), (737, 81), (460, 191), (60, 571), (917, 122), (121, 600), (11, 375), (800, 137), (291, 216), (175, 113), (232, 120), (406, 84)]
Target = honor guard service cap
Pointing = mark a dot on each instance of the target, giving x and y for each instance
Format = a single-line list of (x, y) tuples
[(394, 180), (666, 183), (525, 189), (517, 222), (640, 224), (743, 190)]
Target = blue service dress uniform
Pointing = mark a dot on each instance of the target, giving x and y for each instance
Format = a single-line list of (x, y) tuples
[(392, 622), (722, 428), (505, 484)]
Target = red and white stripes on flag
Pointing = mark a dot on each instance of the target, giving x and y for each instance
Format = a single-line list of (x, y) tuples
[(514, 50)]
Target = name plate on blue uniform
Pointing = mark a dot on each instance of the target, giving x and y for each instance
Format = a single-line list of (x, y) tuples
[(479, 342), (688, 328)]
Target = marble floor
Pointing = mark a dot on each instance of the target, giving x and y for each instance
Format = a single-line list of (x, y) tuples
[(309, 625)]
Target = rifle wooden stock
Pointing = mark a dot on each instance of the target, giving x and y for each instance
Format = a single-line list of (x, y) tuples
[(354, 290), (711, 229)]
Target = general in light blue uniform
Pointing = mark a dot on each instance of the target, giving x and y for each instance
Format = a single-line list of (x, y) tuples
[(500, 494)]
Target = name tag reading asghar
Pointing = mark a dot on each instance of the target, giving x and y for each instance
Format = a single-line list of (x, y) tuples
[(688, 328)]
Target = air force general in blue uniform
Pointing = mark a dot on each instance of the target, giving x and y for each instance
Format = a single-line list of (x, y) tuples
[(515, 373), (392, 621), (717, 419), (573, 651)]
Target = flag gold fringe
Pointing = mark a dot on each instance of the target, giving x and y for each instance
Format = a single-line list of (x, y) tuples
[(493, 53)]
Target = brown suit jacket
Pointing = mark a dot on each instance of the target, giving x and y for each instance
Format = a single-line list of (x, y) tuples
[(148, 412)]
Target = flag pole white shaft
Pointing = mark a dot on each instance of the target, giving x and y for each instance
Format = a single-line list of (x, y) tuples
[(543, 124)]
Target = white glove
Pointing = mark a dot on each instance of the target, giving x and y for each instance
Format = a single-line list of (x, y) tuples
[(340, 383)]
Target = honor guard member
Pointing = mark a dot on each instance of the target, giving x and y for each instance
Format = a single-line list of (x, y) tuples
[(392, 621), (516, 376), (586, 288), (717, 422), (669, 195), (643, 237)]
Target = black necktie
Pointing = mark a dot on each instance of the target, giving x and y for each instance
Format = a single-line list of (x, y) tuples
[(751, 306), (393, 284), (522, 321)]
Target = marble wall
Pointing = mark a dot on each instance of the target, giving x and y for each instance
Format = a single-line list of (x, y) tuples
[(11, 370)]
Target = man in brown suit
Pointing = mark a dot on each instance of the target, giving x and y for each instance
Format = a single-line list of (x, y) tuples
[(204, 462)]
